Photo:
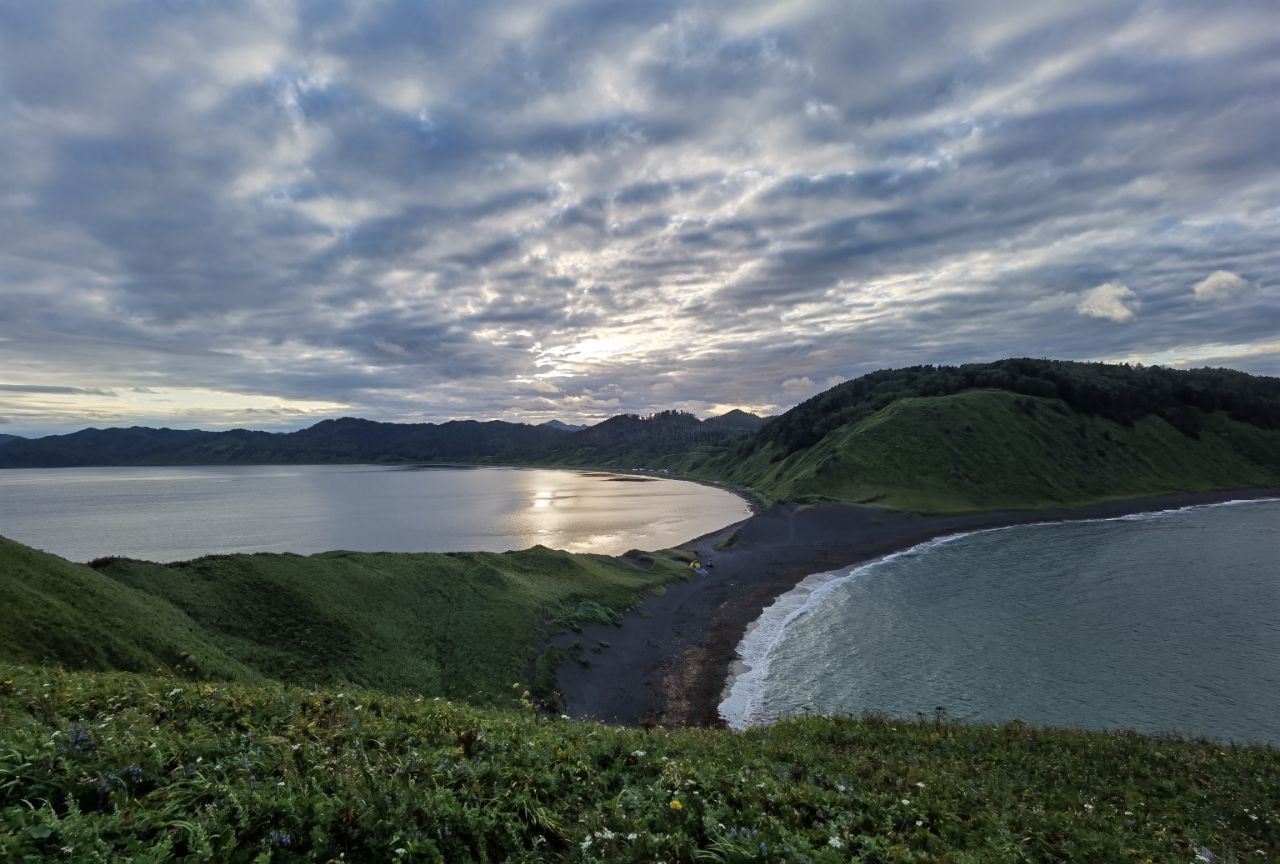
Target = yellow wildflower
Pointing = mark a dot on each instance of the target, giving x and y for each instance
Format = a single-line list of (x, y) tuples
[(675, 804)]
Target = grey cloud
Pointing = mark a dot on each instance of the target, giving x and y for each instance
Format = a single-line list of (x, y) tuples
[(402, 208), (54, 390)]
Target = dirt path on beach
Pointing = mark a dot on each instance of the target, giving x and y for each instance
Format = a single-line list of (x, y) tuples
[(668, 661)]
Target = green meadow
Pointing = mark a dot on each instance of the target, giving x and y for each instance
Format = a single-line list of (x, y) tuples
[(118, 767), (462, 626)]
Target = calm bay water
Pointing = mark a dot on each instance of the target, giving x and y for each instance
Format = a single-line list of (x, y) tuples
[(1164, 622), (170, 514)]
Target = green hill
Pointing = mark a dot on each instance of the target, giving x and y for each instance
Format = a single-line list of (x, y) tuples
[(457, 625), (987, 450), (930, 439), (59, 612)]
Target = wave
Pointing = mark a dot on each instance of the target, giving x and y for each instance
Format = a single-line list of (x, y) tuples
[(745, 688)]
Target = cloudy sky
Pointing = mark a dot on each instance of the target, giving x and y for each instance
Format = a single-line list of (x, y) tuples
[(265, 213)]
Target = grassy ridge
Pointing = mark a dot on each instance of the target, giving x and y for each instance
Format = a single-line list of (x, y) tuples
[(462, 625), (60, 612), (118, 767), (994, 449)]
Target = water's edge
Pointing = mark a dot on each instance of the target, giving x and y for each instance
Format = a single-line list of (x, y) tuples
[(744, 685)]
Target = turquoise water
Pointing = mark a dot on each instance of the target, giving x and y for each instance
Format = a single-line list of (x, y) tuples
[(1165, 622), (169, 514)]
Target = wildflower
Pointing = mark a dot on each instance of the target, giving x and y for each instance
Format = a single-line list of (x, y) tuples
[(835, 843), (633, 836), (906, 802), (606, 834), (585, 844), (919, 823), (675, 804), (639, 754), (920, 785), (1088, 806)]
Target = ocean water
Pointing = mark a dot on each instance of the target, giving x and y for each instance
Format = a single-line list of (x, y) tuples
[(171, 514), (1166, 622)]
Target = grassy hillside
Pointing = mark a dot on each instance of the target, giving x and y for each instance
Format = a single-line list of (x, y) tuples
[(118, 767), (462, 626), (59, 612), (994, 449)]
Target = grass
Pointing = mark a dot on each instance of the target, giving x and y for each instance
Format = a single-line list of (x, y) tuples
[(992, 449), (120, 767), (459, 625)]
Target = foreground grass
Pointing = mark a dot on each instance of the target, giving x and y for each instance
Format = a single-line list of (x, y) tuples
[(458, 625), (117, 767)]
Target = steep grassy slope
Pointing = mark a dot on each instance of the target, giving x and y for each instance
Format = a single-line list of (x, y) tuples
[(994, 449), (122, 767), (457, 625), (56, 611)]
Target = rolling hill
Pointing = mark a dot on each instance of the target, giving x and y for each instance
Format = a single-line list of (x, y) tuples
[(1015, 434), (459, 625)]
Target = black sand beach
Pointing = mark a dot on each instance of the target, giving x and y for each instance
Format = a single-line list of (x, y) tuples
[(669, 660)]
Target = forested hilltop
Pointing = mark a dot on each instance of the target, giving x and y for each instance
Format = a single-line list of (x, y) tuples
[(1017, 433)]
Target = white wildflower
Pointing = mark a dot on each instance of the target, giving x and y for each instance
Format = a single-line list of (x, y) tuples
[(906, 802), (639, 754), (920, 785), (835, 843)]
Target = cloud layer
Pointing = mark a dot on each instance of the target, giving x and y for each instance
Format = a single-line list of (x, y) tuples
[(272, 211)]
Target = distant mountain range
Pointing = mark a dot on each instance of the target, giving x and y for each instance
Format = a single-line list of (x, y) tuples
[(5, 439), (626, 439), (563, 427), (1018, 433)]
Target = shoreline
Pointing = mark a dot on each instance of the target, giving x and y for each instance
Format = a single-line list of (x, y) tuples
[(671, 660)]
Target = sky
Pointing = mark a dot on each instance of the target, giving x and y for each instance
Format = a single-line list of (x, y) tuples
[(262, 214)]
